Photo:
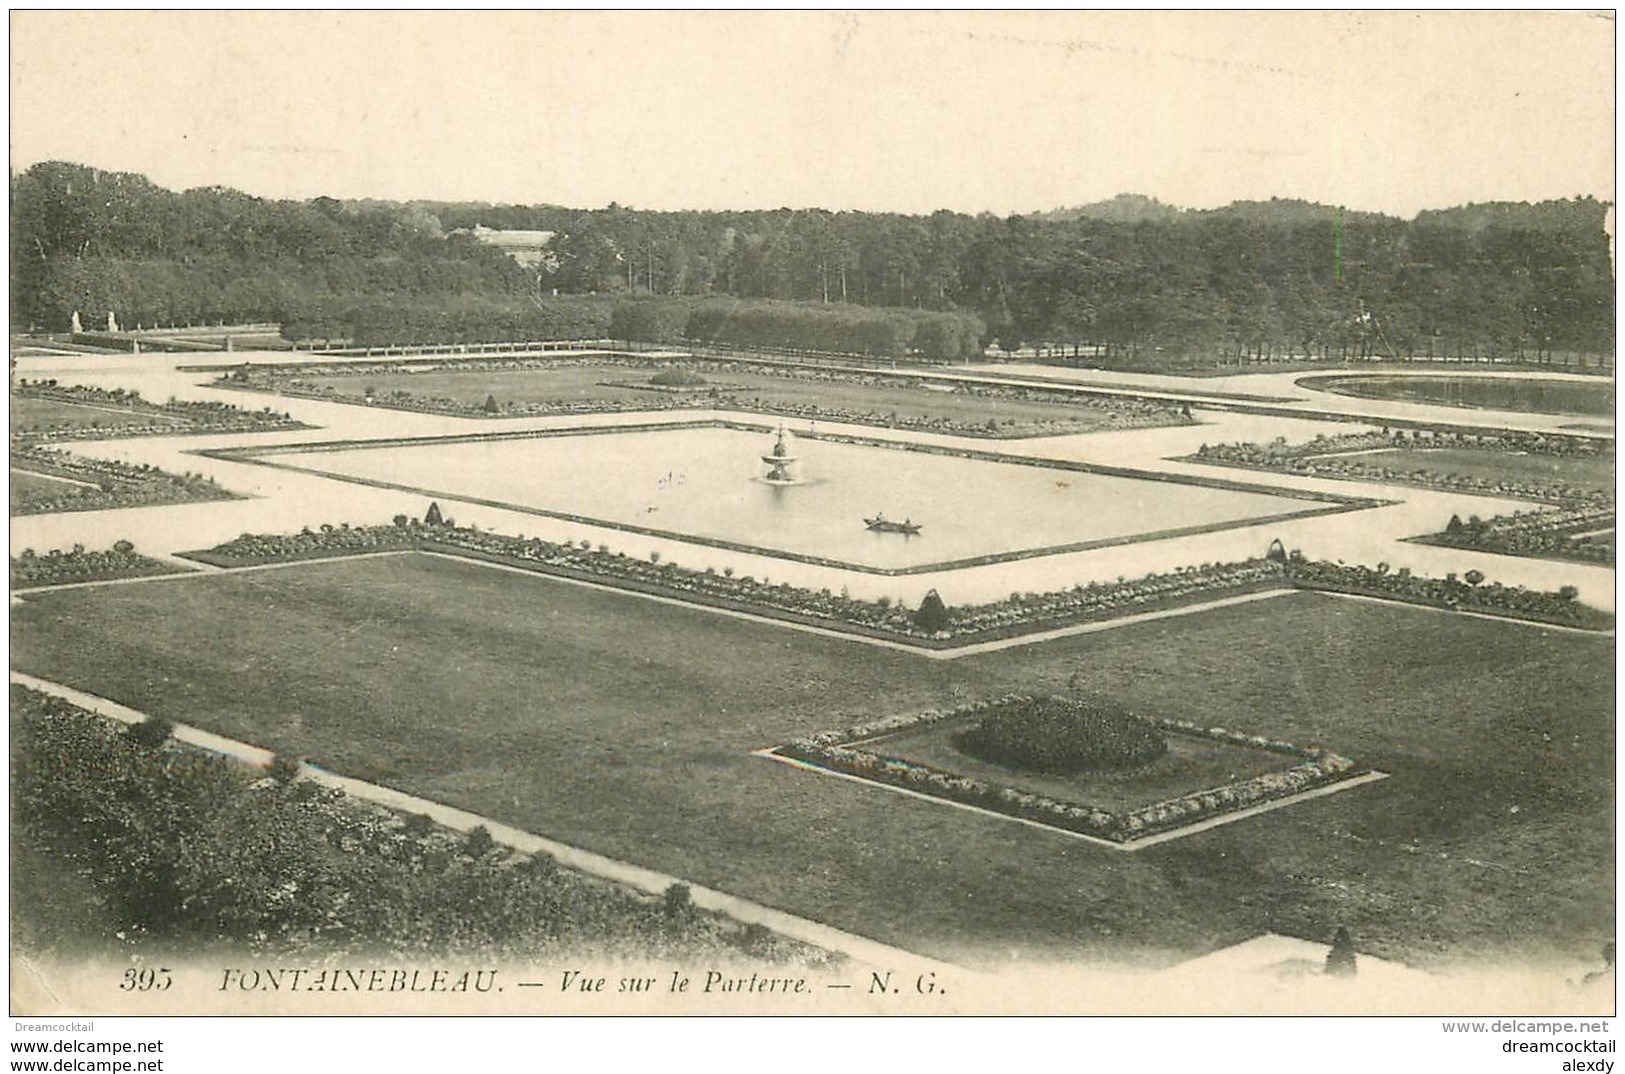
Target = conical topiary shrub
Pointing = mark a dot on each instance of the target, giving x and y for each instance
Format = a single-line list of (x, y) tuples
[(932, 615)]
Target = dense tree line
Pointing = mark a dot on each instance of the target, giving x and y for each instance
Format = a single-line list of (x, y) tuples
[(95, 241), (1129, 276), (771, 323)]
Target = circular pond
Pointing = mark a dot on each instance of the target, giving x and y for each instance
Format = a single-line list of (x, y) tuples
[(1530, 395)]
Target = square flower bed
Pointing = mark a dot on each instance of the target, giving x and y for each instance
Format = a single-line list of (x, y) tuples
[(865, 751)]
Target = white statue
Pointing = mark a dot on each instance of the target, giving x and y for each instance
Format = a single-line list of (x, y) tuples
[(112, 322), (76, 327)]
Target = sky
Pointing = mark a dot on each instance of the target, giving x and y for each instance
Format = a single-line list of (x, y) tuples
[(900, 111)]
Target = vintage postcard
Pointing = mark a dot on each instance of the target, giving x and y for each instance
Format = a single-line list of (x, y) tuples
[(812, 513)]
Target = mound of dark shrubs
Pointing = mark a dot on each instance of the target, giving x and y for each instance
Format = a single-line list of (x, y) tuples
[(1063, 736), (677, 378)]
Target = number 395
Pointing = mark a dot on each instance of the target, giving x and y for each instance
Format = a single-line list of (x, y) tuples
[(145, 980)]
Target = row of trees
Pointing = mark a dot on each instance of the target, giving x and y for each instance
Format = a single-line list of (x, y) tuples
[(379, 320), (1278, 277), (800, 326), (89, 240), (1272, 277)]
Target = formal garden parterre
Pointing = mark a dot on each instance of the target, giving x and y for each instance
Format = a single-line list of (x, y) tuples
[(886, 741), (570, 720), (45, 480), (78, 565), (630, 726), (625, 383), (44, 411), (931, 625), (871, 752), (54, 480), (881, 618), (1571, 470), (1582, 534)]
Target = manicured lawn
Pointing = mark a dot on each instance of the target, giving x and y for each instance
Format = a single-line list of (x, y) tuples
[(28, 490), (625, 726), (33, 492), (1587, 472), (28, 487), (1530, 395), (576, 383), (1603, 539), (38, 415)]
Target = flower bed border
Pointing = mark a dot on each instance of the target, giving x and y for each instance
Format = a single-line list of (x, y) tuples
[(1551, 555), (1453, 596), (178, 421), (1422, 479), (161, 488), (837, 751), (133, 565), (594, 572), (892, 624), (1300, 460), (1159, 413), (1561, 546)]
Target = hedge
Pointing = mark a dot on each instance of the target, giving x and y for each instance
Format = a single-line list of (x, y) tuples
[(193, 848)]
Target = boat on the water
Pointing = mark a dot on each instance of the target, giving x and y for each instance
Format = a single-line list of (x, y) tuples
[(881, 524)]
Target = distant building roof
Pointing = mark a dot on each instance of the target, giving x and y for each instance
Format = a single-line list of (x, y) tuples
[(525, 247)]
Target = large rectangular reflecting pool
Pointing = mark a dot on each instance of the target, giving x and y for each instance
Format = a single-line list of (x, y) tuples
[(708, 484)]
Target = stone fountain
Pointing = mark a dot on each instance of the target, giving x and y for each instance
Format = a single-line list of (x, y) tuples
[(778, 462)]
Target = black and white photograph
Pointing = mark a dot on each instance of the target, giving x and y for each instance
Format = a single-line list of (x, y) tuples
[(812, 513)]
